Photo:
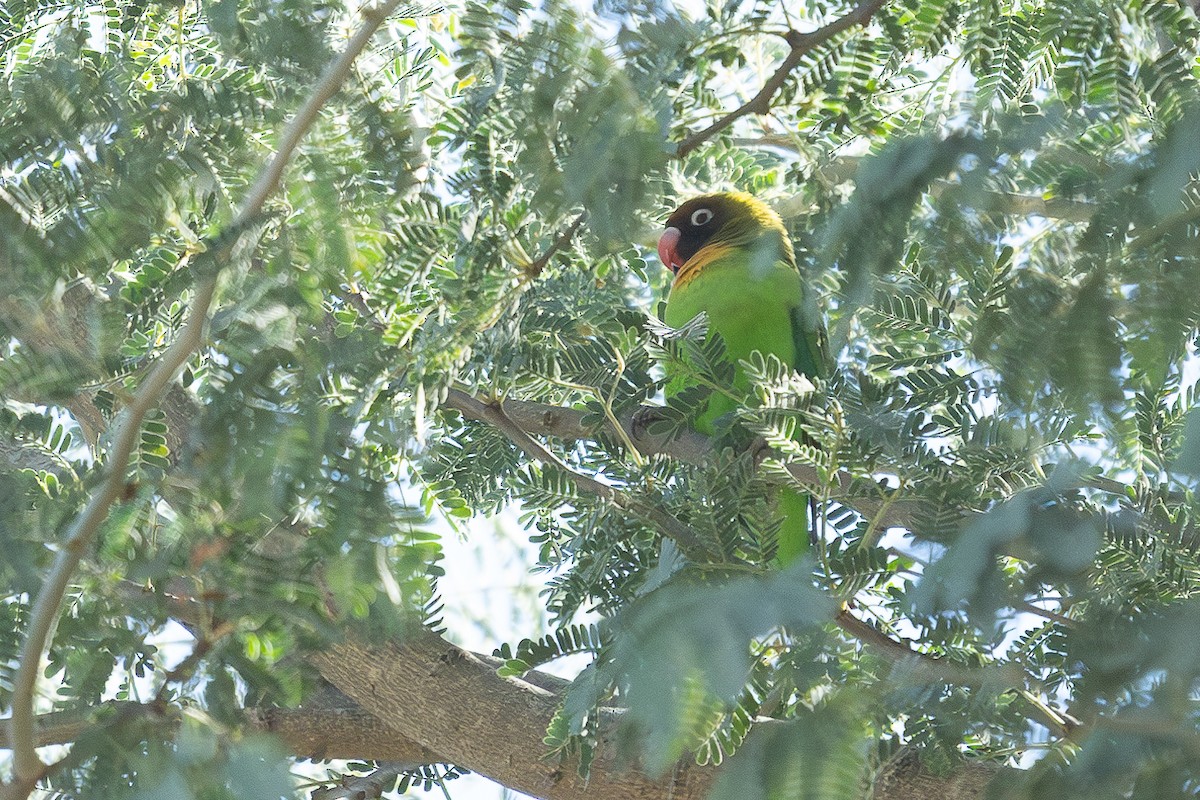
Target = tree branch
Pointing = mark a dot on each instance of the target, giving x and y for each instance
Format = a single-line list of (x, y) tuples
[(328, 726), (27, 767), (16, 454), (689, 446), (801, 45), (845, 169), (363, 787), (534, 268), (493, 725), (905, 778), (495, 414), (520, 417), (64, 727), (936, 668), (333, 726)]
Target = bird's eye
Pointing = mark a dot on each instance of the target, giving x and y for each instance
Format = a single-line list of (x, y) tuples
[(701, 216)]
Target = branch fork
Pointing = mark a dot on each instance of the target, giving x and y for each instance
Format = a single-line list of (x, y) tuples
[(801, 44)]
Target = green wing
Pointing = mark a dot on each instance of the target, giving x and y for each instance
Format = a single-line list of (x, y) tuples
[(809, 338)]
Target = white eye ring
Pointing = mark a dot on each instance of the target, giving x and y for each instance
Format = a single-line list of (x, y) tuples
[(701, 216)]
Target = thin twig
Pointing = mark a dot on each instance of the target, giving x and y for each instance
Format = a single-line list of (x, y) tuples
[(1054, 616), (940, 669), (184, 670), (1151, 727), (801, 45), (27, 767), (329, 84), (534, 268), (365, 787), (605, 401), (493, 414), (1064, 725)]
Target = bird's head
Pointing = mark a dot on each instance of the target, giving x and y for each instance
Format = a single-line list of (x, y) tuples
[(734, 219)]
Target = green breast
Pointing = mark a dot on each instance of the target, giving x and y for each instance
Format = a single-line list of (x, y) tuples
[(751, 306)]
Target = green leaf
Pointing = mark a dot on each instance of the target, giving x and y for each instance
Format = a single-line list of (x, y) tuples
[(1188, 460), (257, 767), (819, 756)]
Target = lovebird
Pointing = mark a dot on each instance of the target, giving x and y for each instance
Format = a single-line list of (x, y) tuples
[(732, 258)]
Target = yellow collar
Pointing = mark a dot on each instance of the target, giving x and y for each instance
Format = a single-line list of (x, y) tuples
[(696, 264)]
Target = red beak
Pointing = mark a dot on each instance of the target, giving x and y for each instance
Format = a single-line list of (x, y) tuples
[(666, 249)]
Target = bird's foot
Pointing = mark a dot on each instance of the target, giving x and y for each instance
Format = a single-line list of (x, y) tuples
[(643, 418), (758, 450)]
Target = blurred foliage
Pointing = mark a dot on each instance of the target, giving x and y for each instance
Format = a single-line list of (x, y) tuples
[(997, 205)]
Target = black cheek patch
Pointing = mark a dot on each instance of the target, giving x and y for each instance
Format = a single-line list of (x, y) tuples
[(690, 243)]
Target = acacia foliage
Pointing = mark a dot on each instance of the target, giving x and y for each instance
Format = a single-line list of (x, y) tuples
[(995, 204)]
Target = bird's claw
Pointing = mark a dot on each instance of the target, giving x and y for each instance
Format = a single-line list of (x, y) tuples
[(758, 450), (642, 419)]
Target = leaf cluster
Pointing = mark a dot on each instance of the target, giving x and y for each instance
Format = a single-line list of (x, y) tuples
[(993, 204)]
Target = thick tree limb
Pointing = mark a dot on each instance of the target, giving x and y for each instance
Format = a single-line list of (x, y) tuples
[(427, 701), (346, 732), (801, 45), (906, 779), (16, 454), (448, 700), (332, 726), (455, 704)]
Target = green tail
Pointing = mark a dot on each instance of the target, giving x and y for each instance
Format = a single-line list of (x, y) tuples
[(793, 536)]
